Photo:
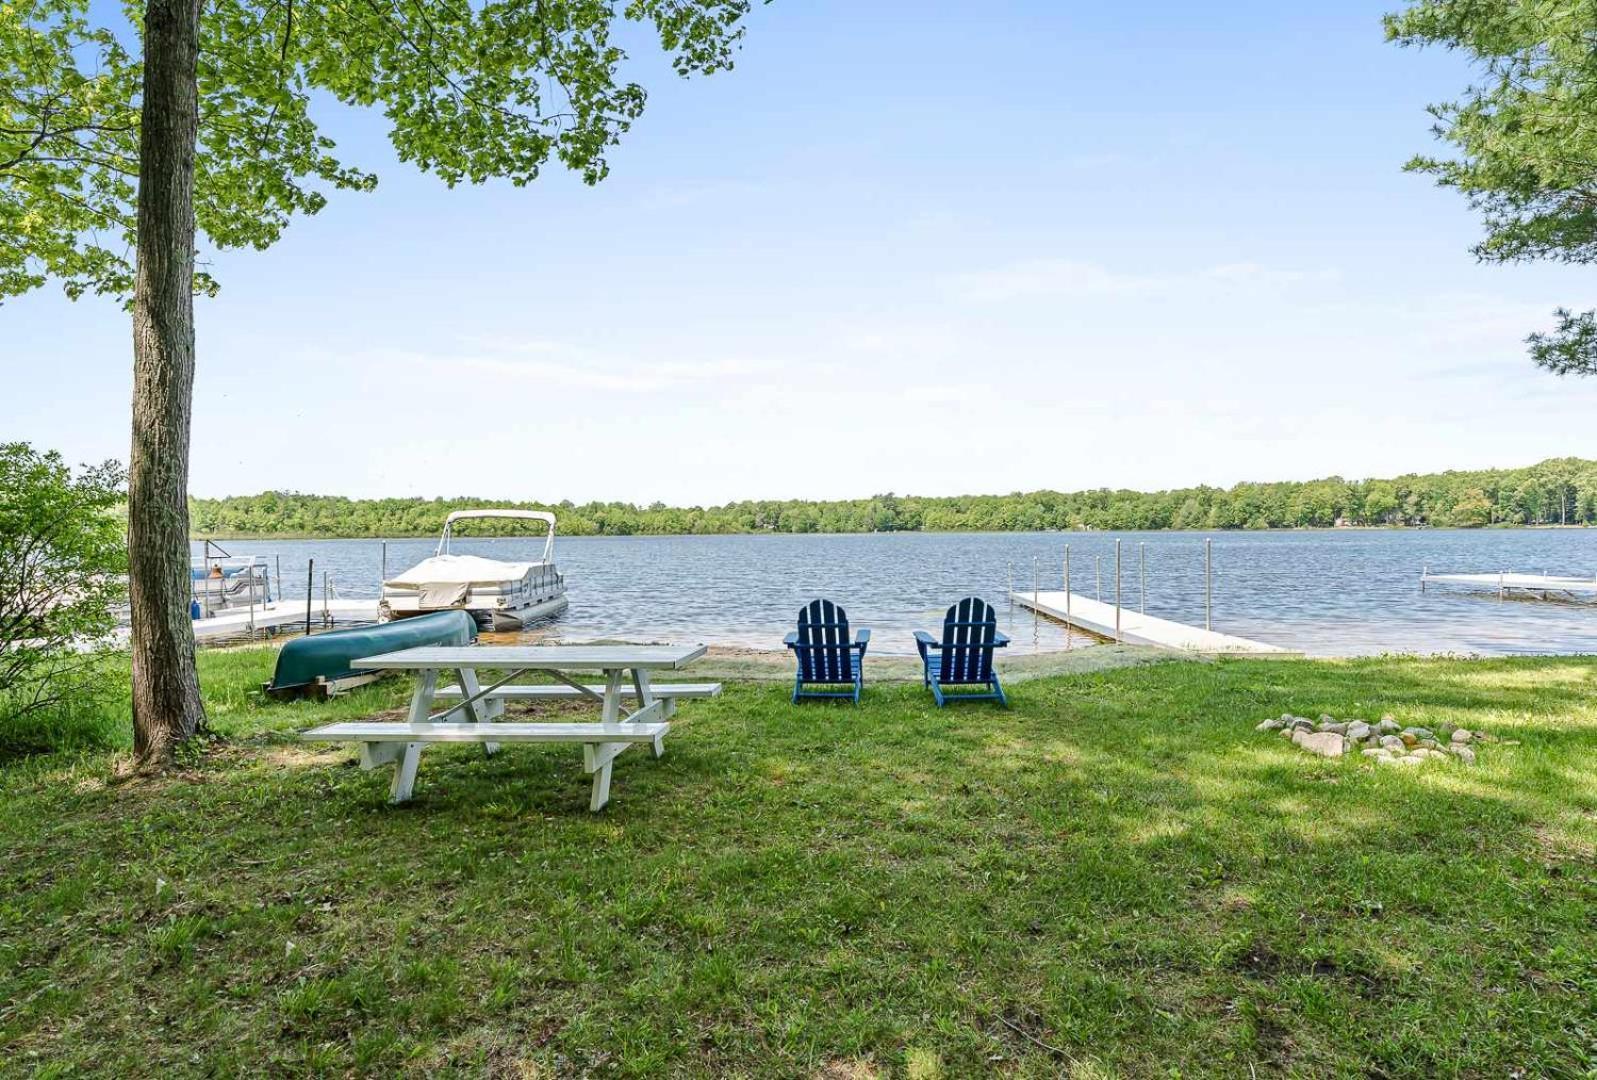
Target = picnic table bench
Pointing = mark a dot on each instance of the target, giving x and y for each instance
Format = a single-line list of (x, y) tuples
[(627, 672)]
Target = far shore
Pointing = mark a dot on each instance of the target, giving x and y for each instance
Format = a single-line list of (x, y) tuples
[(296, 536)]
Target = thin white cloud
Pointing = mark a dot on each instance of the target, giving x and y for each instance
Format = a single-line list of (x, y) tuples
[(948, 394), (912, 340), (549, 363), (1073, 278), (1050, 277), (1256, 275)]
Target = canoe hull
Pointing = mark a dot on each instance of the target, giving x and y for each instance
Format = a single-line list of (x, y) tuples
[(320, 663)]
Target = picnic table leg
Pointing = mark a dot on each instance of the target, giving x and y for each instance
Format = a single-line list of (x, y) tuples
[(601, 755), (477, 710), (640, 683), (405, 774), (421, 699), (612, 696), (421, 705)]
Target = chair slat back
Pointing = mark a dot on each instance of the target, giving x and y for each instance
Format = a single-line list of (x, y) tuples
[(823, 643), (968, 632)]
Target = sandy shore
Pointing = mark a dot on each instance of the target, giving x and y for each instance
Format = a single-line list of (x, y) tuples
[(764, 665)]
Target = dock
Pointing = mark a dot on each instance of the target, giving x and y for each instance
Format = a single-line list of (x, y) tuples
[(1098, 618), (284, 614), (1503, 583)]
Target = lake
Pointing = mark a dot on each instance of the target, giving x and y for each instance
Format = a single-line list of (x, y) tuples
[(1327, 593)]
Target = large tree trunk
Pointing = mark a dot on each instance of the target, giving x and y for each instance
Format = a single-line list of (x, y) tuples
[(166, 689)]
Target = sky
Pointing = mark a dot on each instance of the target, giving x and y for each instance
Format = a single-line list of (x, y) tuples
[(929, 248)]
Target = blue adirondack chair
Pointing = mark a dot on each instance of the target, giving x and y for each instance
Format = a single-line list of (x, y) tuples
[(826, 655), (964, 657)]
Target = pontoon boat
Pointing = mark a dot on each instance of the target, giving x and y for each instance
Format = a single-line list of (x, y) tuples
[(499, 595)]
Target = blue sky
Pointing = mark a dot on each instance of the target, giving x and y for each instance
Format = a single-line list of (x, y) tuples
[(929, 248)]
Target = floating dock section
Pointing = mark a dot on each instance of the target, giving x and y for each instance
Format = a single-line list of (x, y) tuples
[(283, 614), (1503, 583), (1096, 617)]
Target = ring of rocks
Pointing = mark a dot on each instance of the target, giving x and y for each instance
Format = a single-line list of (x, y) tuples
[(1384, 740)]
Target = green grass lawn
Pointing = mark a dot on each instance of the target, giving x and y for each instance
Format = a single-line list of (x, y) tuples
[(1116, 876)]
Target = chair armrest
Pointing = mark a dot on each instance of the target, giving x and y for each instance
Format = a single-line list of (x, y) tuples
[(862, 639), (1000, 640), (791, 640), (923, 641)]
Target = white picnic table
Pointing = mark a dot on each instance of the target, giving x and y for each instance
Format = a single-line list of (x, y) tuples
[(633, 708)]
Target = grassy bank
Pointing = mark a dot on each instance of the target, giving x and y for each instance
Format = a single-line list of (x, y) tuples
[(1116, 876)]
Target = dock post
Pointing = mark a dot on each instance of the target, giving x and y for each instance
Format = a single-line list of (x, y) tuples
[(1142, 576), (1425, 572), (1067, 596), (1117, 592), (1036, 588), (310, 590), (1500, 587), (1208, 584)]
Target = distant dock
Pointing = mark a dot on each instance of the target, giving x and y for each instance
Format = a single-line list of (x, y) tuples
[(1098, 618), (1502, 583)]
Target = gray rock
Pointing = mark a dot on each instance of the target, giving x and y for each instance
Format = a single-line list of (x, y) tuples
[(1338, 728), (1358, 730), (1419, 732), (1324, 743), (1430, 744), (1463, 753), (1269, 725), (1388, 726), (1393, 743), (1462, 735), (1301, 724)]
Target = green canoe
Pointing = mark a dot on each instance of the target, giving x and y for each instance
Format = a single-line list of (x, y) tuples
[(320, 664)]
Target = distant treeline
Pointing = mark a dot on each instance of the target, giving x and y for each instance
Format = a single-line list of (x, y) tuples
[(1559, 491)]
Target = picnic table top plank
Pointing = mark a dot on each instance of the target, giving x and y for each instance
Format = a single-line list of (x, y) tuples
[(555, 657), (390, 731), (561, 690)]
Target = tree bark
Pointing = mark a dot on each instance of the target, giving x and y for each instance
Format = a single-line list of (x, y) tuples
[(166, 691)]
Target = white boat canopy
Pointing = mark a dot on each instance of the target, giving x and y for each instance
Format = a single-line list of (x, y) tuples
[(524, 515)]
